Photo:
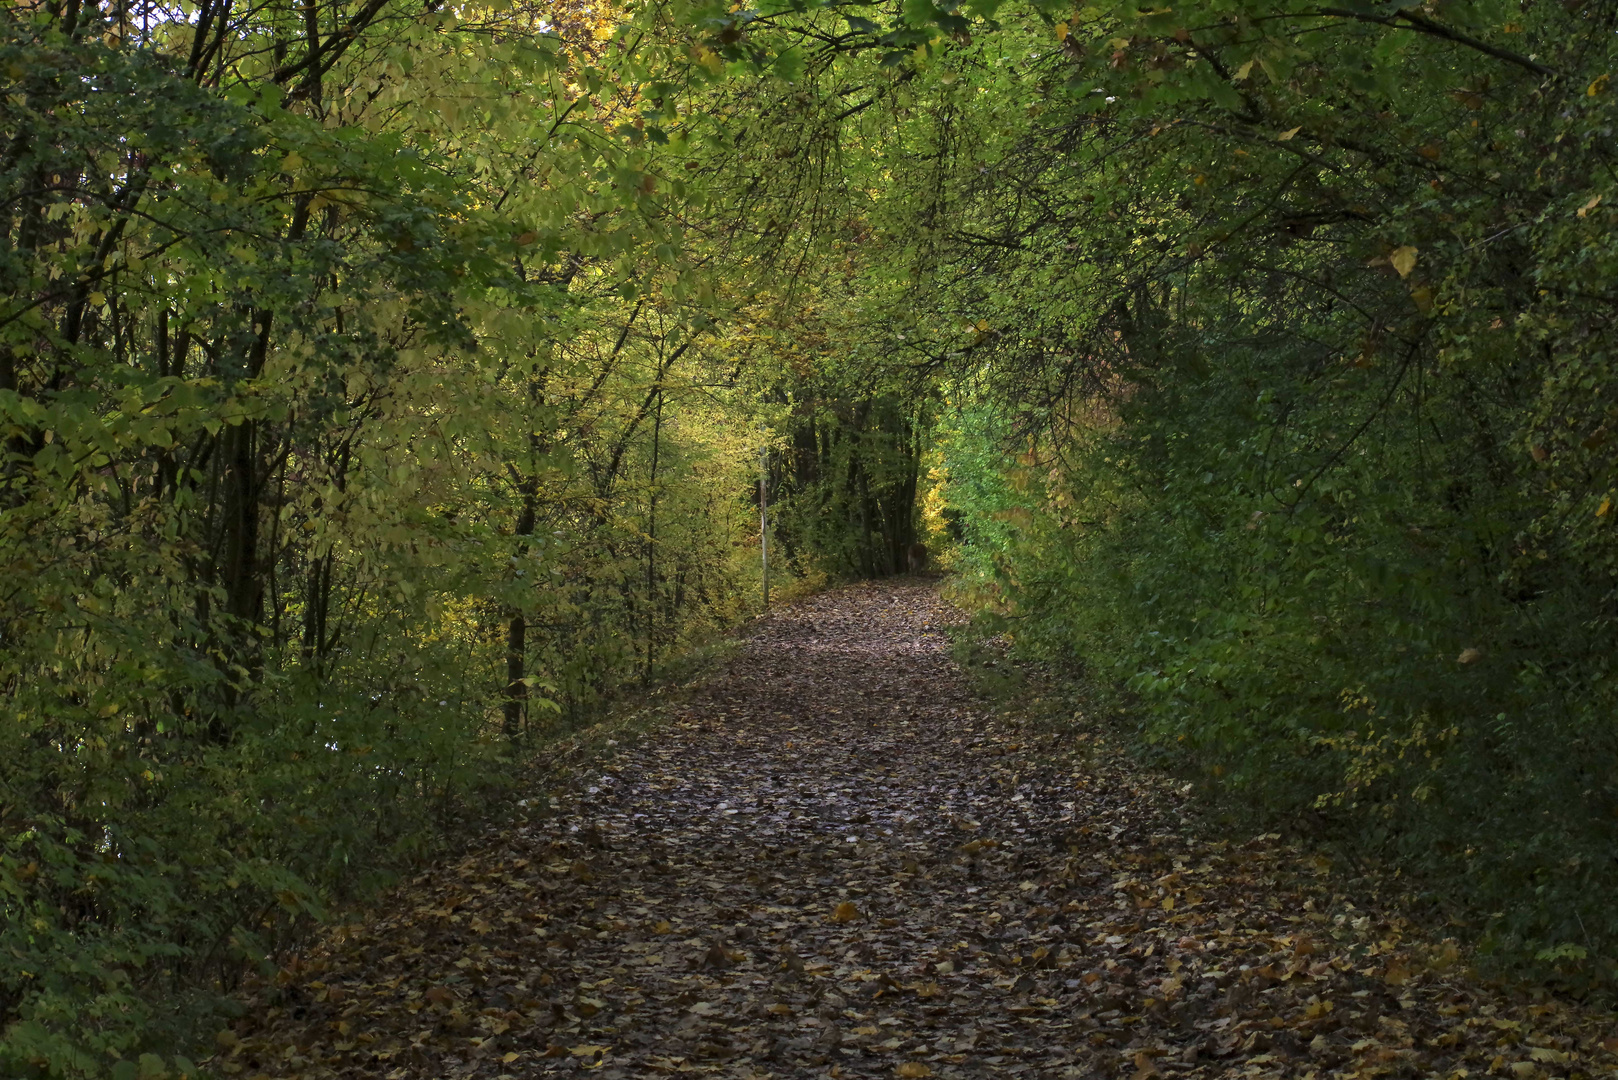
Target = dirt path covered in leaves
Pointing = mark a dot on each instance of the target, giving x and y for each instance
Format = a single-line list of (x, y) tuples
[(836, 862)]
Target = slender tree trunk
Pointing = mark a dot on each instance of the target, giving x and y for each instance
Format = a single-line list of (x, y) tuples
[(651, 539), (515, 708)]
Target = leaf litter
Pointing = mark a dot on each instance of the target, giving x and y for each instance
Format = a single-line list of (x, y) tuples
[(834, 860)]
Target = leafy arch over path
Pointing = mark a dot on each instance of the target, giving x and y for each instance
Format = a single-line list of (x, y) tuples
[(1271, 341), (384, 386)]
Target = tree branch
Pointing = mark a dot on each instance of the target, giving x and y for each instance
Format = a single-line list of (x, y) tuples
[(1435, 29)]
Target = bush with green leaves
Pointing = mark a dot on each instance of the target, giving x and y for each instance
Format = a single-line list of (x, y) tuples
[(358, 432), (1276, 347)]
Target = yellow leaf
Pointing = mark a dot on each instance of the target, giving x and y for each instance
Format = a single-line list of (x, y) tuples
[(1605, 508), (1403, 260), (1061, 31), (1599, 85), (845, 912), (1168, 903), (913, 1069), (1524, 1069), (1594, 202), (510, 1057), (663, 927), (1243, 72), (710, 59), (1286, 135), (588, 1050), (1468, 656)]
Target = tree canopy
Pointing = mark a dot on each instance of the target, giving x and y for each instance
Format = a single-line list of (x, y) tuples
[(384, 385)]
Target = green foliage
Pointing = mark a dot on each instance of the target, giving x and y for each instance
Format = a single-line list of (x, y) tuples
[(361, 429), (1276, 346), (1303, 465), (383, 389), (850, 483)]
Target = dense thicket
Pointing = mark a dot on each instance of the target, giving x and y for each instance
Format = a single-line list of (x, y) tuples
[(362, 424), (383, 383), (1278, 346)]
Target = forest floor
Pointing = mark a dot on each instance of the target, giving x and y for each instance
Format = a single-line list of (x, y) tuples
[(834, 859)]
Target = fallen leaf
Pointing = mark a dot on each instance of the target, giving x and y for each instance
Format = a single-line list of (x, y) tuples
[(1031, 938)]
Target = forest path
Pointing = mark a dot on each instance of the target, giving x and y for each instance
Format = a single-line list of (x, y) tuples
[(835, 861)]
